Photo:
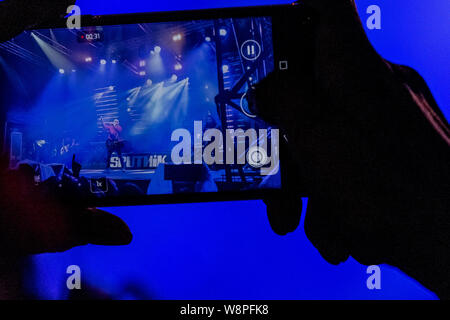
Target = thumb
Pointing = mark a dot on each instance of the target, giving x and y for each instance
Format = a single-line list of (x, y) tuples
[(284, 212), (102, 228), (324, 228), (330, 7)]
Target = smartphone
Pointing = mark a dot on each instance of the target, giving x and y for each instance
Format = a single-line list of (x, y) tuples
[(151, 108)]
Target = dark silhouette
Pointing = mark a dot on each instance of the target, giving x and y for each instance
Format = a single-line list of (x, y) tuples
[(31, 220), (370, 147), (18, 15)]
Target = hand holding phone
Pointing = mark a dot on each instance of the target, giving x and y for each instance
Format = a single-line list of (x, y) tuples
[(374, 166), (35, 221)]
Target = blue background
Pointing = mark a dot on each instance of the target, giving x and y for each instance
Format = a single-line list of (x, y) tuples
[(227, 250)]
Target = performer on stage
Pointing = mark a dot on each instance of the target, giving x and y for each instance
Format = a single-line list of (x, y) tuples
[(114, 143)]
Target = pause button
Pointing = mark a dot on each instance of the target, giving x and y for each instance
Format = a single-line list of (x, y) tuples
[(250, 50)]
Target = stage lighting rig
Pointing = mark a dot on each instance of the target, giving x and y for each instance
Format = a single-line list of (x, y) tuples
[(177, 37)]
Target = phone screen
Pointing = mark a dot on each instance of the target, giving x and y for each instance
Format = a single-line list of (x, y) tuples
[(142, 109)]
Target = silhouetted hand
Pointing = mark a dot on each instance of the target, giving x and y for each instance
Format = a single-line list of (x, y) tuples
[(31, 219), (18, 15), (35, 221), (370, 148), (76, 167)]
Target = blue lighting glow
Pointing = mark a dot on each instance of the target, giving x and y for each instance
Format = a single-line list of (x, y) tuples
[(223, 32), (227, 250)]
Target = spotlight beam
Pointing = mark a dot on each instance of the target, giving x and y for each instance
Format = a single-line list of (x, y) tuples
[(20, 52), (57, 59), (56, 45)]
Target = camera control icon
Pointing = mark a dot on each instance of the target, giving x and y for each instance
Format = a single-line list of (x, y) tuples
[(283, 65), (251, 50), (257, 157), (99, 185)]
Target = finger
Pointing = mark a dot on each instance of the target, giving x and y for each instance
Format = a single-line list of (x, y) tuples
[(324, 228), (265, 96), (330, 6), (284, 208), (46, 10), (30, 13), (284, 213), (102, 228)]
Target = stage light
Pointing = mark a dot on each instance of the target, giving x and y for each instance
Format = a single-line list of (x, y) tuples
[(174, 78), (149, 82), (103, 61), (111, 88), (114, 61), (155, 63), (208, 39), (250, 79), (55, 57), (88, 59), (223, 32), (142, 73), (73, 70), (178, 66), (225, 68), (129, 109), (142, 63), (176, 37), (61, 71)]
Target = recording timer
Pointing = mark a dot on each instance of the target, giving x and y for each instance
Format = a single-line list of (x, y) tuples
[(92, 36)]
